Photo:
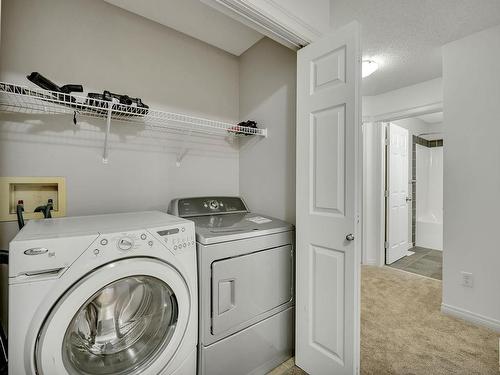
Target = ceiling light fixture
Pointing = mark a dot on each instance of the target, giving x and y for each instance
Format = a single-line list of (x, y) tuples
[(368, 67)]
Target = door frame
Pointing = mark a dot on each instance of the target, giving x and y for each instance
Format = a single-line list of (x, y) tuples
[(404, 113)]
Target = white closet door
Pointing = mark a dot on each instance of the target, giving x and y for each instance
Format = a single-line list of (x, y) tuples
[(328, 258)]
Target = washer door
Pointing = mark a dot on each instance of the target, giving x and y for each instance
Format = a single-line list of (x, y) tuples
[(125, 318)]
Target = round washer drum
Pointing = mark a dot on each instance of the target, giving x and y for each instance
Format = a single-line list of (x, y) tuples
[(125, 322)]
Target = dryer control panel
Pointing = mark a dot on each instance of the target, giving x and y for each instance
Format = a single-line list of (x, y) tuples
[(189, 207)]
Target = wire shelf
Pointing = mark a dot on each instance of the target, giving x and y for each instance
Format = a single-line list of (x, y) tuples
[(20, 99)]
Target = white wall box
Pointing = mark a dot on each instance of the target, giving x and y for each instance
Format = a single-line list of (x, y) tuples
[(34, 192)]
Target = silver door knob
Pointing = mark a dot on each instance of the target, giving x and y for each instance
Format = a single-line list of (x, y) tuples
[(350, 237)]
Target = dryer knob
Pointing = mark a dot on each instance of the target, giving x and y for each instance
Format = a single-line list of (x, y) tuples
[(125, 243)]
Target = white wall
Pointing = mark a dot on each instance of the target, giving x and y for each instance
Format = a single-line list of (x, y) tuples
[(373, 192), (430, 183), (471, 82), (416, 126), (103, 47), (429, 213), (419, 95), (267, 95)]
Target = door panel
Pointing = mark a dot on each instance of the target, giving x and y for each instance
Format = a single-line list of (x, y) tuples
[(397, 183), (328, 191), (249, 285), (328, 70), (328, 318), (328, 124)]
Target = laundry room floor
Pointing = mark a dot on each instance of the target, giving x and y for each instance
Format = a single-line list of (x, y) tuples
[(404, 332), (288, 368)]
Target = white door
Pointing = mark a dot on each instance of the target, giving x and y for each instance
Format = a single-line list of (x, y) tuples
[(397, 194), (328, 260)]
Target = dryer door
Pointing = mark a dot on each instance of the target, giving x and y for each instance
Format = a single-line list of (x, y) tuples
[(249, 286), (127, 317)]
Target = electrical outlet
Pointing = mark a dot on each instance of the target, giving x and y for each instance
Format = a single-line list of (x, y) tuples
[(467, 279)]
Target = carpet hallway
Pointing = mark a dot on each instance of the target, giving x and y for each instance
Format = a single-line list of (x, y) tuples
[(404, 333)]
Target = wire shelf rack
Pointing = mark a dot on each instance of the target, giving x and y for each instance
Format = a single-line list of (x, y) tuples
[(21, 99)]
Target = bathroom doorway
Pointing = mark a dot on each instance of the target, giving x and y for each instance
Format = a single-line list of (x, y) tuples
[(414, 195), (417, 228)]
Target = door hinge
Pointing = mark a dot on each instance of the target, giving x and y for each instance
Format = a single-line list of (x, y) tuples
[(386, 245), (386, 194)]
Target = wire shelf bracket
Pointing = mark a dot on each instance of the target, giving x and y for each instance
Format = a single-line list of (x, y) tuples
[(21, 99), (105, 153)]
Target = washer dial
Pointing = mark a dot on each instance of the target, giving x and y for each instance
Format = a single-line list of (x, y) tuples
[(125, 243)]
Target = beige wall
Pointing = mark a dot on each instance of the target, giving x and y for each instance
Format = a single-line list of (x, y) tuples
[(103, 47), (471, 82), (267, 95)]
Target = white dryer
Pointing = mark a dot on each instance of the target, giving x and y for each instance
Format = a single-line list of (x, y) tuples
[(107, 294), (246, 286)]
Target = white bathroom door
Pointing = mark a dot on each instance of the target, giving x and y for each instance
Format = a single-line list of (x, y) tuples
[(397, 243), (328, 251)]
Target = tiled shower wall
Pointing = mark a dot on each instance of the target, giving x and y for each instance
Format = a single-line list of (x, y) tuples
[(423, 142)]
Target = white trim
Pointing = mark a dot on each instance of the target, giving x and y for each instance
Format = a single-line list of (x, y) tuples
[(406, 113), (478, 319), (383, 153), (270, 19)]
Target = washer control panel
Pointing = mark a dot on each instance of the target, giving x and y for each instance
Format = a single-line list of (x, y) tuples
[(125, 242), (179, 237)]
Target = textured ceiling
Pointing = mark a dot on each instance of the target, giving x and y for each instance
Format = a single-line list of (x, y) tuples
[(197, 20), (405, 36)]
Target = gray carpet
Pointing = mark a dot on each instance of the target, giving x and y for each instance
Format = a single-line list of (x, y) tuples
[(404, 333)]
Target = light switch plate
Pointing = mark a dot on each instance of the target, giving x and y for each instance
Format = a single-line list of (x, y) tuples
[(34, 192)]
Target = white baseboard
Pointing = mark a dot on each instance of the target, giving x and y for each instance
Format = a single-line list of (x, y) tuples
[(371, 262), (478, 319)]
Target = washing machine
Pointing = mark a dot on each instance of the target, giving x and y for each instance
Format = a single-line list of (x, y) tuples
[(107, 294), (246, 286)]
